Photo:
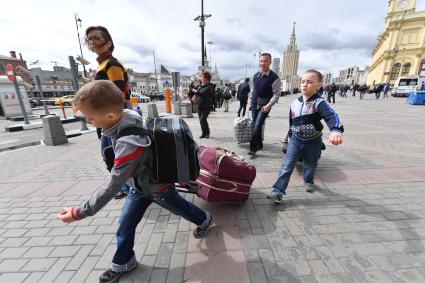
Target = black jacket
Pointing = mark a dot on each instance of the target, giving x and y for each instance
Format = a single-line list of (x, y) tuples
[(205, 94)]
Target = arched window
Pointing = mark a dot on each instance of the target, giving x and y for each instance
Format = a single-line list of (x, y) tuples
[(395, 71), (406, 69)]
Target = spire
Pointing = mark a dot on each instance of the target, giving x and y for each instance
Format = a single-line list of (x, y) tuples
[(293, 38)]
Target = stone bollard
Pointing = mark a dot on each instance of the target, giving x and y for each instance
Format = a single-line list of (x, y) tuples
[(186, 109), (177, 108), (54, 134), (152, 111)]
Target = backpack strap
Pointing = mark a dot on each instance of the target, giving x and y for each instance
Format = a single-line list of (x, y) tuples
[(132, 131)]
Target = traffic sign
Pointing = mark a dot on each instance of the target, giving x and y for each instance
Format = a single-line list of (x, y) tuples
[(9, 72)]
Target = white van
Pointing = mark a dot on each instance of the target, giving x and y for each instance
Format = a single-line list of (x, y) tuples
[(405, 84)]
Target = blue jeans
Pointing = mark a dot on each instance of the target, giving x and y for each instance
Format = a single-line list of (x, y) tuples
[(310, 150), (133, 211), (258, 119)]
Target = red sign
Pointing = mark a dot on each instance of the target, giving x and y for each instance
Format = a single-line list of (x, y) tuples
[(9, 72)]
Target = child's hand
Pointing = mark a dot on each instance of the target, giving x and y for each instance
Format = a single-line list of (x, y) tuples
[(335, 138), (65, 215)]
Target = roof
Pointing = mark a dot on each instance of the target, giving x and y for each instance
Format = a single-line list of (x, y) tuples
[(2, 57)]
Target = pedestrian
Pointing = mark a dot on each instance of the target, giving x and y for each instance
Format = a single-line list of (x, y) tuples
[(378, 90), (386, 89), (204, 96), (265, 93), (100, 101), (305, 135), (226, 97), (331, 93), (423, 86), (99, 41), (233, 92), (191, 93), (243, 92), (355, 88)]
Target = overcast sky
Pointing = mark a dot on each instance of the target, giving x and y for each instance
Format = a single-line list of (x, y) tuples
[(331, 34)]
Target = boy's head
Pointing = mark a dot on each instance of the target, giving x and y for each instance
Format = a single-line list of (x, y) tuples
[(101, 102), (311, 82)]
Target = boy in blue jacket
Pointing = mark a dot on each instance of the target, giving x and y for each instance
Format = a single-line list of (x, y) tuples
[(306, 134), (101, 102)]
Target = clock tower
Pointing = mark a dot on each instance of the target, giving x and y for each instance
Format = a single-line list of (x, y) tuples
[(396, 8)]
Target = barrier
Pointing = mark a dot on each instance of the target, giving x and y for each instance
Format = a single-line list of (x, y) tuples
[(54, 133)]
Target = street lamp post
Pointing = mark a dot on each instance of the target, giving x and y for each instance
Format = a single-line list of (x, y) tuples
[(78, 22), (201, 20)]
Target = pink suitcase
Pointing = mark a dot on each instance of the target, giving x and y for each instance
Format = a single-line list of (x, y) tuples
[(224, 176)]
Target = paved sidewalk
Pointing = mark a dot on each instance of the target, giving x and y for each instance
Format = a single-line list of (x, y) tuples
[(365, 223)]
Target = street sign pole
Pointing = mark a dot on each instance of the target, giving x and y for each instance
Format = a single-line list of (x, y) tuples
[(9, 68), (40, 90)]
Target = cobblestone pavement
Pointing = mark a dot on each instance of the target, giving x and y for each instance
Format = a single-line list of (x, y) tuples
[(365, 223)]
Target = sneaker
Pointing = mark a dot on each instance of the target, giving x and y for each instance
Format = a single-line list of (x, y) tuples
[(309, 187), (203, 229), (110, 276), (251, 153), (120, 195), (275, 198)]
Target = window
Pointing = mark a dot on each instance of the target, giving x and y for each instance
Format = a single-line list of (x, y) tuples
[(395, 71), (406, 69), (2, 68)]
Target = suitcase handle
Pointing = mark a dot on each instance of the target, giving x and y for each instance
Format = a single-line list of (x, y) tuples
[(231, 153)]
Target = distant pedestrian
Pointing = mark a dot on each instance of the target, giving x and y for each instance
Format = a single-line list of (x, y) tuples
[(204, 96), (378, 90), (191, 94), (355, 88), (265, 94), (386, 89), (423, 86), (99, 41), (227, 96), (331, 93), (305, 134), (243, 93), (100, 101)]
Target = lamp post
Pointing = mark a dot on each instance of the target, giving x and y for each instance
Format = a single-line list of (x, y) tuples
[(201, 18), (78, 22)]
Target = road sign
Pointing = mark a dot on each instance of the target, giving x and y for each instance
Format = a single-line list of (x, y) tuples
[(9, 72)]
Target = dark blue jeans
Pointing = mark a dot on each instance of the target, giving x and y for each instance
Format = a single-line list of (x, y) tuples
[(133, 211), (258, 119), (310, 150)]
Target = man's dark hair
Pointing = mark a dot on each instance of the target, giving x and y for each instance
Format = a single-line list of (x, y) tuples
[(246, 80), (105, 34), (318, 74), (266, 54), (206, 75)]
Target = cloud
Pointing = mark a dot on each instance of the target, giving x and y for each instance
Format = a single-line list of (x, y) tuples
[(234, 23)]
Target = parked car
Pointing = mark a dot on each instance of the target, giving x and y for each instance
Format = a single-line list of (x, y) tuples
[(140, 97), (65, 100), (403, 85), (35, 101), (156, 95)]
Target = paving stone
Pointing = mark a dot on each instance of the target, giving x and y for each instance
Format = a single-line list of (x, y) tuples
[(65, 251), (39, 264), (154, 244), (84, 270), (177, 266), (13, 242), (62, 240), (34, 277), (102, 244), (164, 255), (13, 277), (79, 258), (55, 271), (38, 252), (65, 276), (12, 252), (159, 276), (37, 232), (38, 241)]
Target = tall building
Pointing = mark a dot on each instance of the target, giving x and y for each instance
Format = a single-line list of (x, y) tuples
[(290, 58), (276, 65), (400, 48)]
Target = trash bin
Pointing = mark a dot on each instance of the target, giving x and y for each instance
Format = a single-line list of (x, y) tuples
[(177, 108), (416, 98), (186, 109)]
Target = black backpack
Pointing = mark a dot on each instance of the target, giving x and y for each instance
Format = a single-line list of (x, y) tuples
[(175, 152)]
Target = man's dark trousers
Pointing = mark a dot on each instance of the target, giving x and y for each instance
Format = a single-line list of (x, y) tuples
[(242, 107), (258, 119)]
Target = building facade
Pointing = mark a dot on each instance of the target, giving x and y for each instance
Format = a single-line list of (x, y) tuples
[(290, 58), (276, 65), (400, 49), (14, 61)]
